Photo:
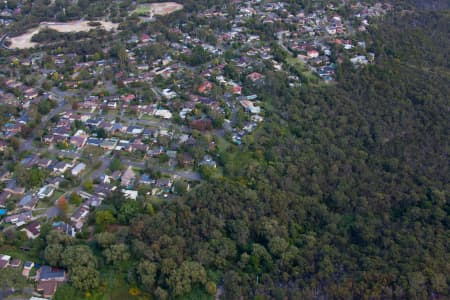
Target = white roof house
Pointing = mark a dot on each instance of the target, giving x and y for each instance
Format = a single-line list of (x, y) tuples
[(78, 169)]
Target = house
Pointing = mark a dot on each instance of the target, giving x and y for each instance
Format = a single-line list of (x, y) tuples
[(15, 263), (78, 169), (187, 159), (4, 196), (80, 214), (109, 144), (28, 201), (19, 219), (237, 89), (64, 228), (61, 167), (168, 94), (32, 230), (145, 179), (49, 278), (205, 87), (128, 177), (46, 191), (250, 107), (78, 141), (164, 183), (47, 288), (312, 53), (208, 161), (47, 273), (135, 130), (44, 162), (138, 145), (94, 201), (255, 76), (4, 261), (130, 194), (163, 113), (104, 189), (27, 268), (13, 188), (3, 145)]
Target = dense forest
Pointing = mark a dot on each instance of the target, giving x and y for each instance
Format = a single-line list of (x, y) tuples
[(342, 194)]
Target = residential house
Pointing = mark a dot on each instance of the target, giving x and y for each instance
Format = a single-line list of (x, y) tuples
[(32, 230), (47, 273), (208, 161), (128, 177), (130, 194), (27, 267), (15, 263), (255, 76), (49, 278), (78, 169), (61, 167), (146, 180), (19, 219), (47, 288), (4, 196), (64, 228), (187, 159), (28, 202), (78, 141), (46, 191), (164, 183), (4, 261), (205, 87), (80, 214)]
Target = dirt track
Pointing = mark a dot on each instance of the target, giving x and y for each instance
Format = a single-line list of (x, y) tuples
[(24, 41)]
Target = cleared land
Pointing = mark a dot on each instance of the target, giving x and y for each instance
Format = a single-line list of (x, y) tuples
[(24, 41), (160, 9)]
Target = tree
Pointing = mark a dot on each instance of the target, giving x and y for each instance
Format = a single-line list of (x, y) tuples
[(180, 187), (161, 293), (211, 288), (182, 279), (10, 279), (75, 199), (128, 210), (116, 164), (88, 185), (105, 239), (116, 254), (146, 272), (84, 278), (104, 217), (62, 204), (77, 256), (53, 254)]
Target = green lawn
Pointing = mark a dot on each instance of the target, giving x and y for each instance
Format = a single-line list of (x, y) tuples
[(300, 67), (141, 10)]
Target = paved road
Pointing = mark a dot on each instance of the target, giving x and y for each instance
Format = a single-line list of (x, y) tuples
[(62, 106), (280, 38)]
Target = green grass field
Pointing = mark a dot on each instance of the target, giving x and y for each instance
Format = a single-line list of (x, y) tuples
[(141, 10), (301, 68)]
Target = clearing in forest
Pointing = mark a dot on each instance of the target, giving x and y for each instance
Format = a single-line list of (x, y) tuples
[(23, 41), (160, 9)]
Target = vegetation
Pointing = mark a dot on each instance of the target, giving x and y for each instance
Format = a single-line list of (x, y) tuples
[(341, 194)]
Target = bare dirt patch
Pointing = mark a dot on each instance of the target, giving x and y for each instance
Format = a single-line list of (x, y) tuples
[(23, 41), (160, 9)]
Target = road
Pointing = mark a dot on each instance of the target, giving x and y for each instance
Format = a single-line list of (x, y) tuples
[(62, 106), (280, 39)]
